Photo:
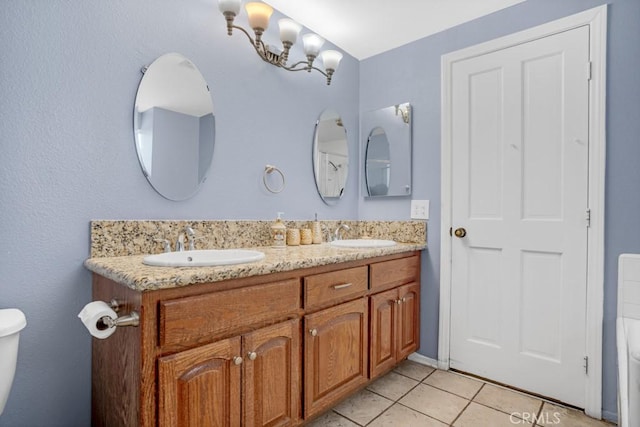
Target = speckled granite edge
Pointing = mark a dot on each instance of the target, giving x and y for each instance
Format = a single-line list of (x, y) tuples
[(137, 237), (131, 272)]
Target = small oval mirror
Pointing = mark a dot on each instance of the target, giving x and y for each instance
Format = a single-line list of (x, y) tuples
[(174, 126), (330, 156), (378, 164)]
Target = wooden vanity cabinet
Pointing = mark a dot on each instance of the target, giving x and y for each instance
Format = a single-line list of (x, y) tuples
[(336, 356), (255, 377), (274, 350), (394, 313)]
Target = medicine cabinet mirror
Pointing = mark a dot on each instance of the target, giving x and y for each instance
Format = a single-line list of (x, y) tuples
[(174, 126), (330, 156), (388, 151)]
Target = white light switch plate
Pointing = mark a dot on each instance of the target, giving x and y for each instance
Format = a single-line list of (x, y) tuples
[(419, 209)]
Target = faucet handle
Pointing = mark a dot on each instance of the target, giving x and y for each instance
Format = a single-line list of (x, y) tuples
[(166, 245)]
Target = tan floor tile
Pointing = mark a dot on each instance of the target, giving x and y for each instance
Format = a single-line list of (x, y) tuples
[(414, 370), (331, 419), (454, 383), (554, 415), (507, 401), (477, 415), (399, 415), (436, 403), (392, 386), (363, 406)]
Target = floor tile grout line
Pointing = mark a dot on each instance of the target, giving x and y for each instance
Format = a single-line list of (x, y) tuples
[(420, 412), (467, 405)]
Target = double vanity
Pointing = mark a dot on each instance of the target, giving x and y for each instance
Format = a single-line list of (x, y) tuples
[(274, 341)]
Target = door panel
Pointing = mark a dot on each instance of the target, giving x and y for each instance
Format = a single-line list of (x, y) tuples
[(200, 386), (384, 332), (519, 188), (272, 378)]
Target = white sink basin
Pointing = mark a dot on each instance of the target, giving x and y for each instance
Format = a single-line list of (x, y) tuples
[(203, 258), (363, 243)]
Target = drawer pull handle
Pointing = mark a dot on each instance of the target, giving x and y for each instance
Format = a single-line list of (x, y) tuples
[(252, 355), (313, 332), (237, 360), (344, 285)]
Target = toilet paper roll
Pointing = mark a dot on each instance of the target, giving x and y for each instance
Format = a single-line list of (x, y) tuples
[(91, 315)]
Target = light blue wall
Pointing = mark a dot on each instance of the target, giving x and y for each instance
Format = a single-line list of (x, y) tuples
[(69, 71), (412, 73)]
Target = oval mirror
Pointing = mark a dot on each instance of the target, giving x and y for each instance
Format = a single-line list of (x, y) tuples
[(330, 156), (378, 164), (174, 126)]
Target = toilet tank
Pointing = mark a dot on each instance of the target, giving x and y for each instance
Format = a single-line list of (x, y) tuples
[(12, 321)]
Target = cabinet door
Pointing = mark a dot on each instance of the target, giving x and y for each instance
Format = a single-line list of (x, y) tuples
[(272, 375), (201, 386), (408, 319), (336, 354), (384, 332)]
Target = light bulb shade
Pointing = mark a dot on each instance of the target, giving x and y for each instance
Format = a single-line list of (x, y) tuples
[(289, 30), (312, 44), (259, 14), (331, 59), (232, 6)]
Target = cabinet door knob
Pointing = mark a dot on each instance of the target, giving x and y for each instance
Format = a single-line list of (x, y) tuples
[(313, 332), (252, 355), (404, 299), (398, 301), (237, 360)]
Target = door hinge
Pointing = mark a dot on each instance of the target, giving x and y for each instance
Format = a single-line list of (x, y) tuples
[(586, 365), (589, 70), (588, 217)]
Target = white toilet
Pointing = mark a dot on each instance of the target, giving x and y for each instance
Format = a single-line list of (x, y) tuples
[(12, 321), (628, 340)]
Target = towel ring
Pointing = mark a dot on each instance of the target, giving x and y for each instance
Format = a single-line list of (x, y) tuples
[(268, 170)]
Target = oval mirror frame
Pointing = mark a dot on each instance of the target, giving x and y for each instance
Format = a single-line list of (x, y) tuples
[(174, 126), (330, 156)]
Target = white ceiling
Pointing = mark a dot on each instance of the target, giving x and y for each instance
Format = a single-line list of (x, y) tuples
[(364, 28)]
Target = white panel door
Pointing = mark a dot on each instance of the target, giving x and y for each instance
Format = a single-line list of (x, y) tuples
[(519, 190)]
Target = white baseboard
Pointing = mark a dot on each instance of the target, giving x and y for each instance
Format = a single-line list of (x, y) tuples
[(423, 360)]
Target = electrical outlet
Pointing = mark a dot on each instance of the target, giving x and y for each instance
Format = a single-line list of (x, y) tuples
[(419, 209)]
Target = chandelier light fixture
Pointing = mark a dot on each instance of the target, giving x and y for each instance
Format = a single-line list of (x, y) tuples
[(259, 14)]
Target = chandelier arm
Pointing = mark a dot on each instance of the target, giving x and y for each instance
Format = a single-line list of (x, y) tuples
[(253, 43), (303, 69)]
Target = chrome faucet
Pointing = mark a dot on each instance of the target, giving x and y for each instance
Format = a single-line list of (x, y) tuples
[(190, 235), (337, 235)]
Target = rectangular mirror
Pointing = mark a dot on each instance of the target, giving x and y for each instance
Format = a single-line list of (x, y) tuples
[(387, 139)]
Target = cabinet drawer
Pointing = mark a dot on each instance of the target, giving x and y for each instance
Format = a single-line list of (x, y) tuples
[(326, 288), (200, 318), (389, 274)]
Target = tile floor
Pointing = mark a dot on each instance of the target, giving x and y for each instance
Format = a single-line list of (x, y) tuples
[(414, 395)]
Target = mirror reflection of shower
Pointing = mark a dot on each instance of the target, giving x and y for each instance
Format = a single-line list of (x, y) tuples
[(330, 156)]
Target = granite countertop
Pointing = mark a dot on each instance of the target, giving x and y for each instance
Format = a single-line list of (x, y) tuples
[(131, 272)]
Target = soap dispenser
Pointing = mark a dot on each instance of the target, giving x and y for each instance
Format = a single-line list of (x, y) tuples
[(278, 233)]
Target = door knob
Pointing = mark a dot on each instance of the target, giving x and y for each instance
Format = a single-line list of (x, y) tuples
[(252, 355), (460, 232), (313, 332), (237, 360)]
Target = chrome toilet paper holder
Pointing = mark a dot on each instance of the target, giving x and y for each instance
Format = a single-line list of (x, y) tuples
[(105, 322)]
